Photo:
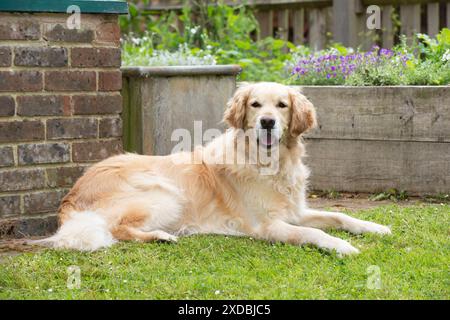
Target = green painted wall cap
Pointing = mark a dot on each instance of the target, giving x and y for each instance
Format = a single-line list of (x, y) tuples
[(62, 6)]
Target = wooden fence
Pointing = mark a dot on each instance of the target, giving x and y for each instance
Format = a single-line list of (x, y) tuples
[(318, 22)]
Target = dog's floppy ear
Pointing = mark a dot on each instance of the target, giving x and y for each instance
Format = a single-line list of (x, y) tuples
[(303, 114), (235, 112)]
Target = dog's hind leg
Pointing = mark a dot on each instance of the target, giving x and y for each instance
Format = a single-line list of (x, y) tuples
[(134, 225), (127, 233), (336, 220)]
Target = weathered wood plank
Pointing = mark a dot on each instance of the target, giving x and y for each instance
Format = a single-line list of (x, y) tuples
[(298, 23), (328, 12), (179, 25), (387, 26), (265, 19), (448, 14), (410, 19), (262, 4), (395, 2), (317, 29), (382, 113), (433, 19), (365, 38), (131, 115), (345, 23), (154, 111), (283, 24), (125, 113), (373, 166)]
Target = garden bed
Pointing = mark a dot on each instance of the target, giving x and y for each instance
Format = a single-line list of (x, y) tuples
[(369, 139), (158, 100)]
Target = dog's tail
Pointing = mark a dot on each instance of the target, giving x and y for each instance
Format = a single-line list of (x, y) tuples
[(84, 231)]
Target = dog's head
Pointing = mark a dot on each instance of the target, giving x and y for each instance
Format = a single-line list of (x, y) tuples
[(276, 113)]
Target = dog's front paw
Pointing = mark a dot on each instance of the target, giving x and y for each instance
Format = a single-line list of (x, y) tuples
[(342, 247), (371, 227)]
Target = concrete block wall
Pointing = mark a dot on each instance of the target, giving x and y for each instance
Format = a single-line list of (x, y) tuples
[(60, 108)]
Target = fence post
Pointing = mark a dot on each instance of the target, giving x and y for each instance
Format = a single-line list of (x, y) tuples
[(283, 24), (317, 29), (265, 19), (345, 22), (410, 19), (388, 32), (298, 25), (433, 18), (448, 14)]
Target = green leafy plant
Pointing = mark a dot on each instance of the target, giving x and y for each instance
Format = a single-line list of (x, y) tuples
[(424, 62), (391, 194), (220, 31), (140, 53), (225, 34), (329, 194), (437, 198)]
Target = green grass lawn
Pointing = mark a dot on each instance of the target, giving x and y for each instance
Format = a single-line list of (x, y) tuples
[(413, 264)]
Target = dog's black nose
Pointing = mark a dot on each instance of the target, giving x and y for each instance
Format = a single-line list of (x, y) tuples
[(267, 123)]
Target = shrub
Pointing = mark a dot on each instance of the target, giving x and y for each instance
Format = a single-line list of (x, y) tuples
[(138, 52), (223, 34), (424, 62)]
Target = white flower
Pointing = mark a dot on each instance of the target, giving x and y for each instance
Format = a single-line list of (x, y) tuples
[(182, 57), (446, 56), (195, 29), (136, 41)]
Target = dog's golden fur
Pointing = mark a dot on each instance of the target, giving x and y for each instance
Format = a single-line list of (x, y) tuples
[(135, 197)]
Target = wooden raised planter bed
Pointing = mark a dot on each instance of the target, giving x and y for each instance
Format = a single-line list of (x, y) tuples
[(369, 139), (158, 100)]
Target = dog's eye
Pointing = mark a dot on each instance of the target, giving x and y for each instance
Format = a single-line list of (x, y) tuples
[(256, 104), (282, 105)]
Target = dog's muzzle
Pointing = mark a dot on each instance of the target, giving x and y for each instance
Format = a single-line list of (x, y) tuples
[(268, 132)]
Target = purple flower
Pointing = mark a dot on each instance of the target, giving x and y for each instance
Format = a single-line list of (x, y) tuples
[(375, 48), (386, 52), (342, 66)]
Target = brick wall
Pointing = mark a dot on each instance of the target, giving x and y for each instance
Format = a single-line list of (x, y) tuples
[(60, 111)]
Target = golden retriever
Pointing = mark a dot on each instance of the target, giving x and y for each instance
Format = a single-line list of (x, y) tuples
[(225, 187)]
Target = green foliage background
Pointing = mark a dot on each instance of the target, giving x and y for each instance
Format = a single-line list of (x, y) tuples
[(227, 35)]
